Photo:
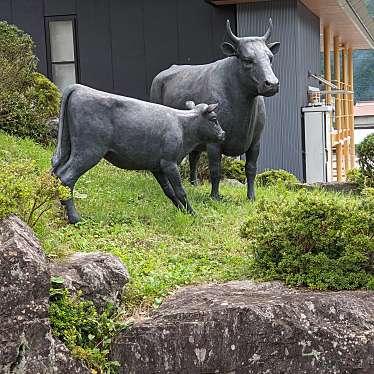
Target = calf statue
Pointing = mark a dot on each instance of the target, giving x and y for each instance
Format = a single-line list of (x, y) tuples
[(130, 134), (238, 83)]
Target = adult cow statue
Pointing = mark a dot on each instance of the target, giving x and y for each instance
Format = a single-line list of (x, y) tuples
[(238, 83), (130, 134)]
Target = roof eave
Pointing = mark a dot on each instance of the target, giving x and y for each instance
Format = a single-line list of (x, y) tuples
[(357, 12)]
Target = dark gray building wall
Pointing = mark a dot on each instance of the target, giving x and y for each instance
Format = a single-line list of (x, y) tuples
[(297, 29), (123, 44)]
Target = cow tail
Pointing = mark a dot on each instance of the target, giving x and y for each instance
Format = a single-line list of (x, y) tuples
[(156, 95), (62, 152)]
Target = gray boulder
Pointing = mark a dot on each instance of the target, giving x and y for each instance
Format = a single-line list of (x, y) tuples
[(26, 342), (100, 276), (242, 328)]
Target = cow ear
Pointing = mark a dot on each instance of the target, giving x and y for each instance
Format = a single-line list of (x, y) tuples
[(190, 104), (228, 49), (211, 108), (274, 47)]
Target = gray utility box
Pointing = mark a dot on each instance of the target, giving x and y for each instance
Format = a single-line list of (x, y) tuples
[(317, 143)]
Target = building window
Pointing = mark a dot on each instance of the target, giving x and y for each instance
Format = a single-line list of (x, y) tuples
[(62, 59)]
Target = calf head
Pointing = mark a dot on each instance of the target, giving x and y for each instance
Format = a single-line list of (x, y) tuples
[(209, 130), (256, 57)]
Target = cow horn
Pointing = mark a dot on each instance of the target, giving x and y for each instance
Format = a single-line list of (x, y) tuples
[(234, 38), (268, 32)]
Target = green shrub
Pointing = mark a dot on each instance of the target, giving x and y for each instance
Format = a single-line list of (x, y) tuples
[(274, 177), (234, 169), (356, 177), (230, 168), (313, 239), (28, 100), (85, 332), (17, 61), (27, 192), (365, 151)]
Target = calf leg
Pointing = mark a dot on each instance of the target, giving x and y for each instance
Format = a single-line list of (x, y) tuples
[(194, 159), (69, 174), (167, 188), (251, 169), (214, 157), (170, 169)]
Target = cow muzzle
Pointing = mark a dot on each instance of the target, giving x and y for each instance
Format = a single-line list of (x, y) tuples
[(269, 88)]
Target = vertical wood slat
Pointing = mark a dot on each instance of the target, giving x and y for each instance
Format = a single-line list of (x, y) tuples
[(352, 149), (338, 112), (346, 118), (327, 60)]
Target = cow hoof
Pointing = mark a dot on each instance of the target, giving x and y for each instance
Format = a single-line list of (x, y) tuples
[(216, 197), (192, 212), (73, 219)]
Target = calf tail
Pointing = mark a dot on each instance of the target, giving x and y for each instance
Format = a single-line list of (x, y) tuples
[(62, 152)]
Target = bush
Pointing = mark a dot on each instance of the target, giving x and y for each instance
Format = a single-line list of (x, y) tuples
[(28, 100), (365, 151), (17, 60), (313, 239), (274, 177), (27, 192), (234, 169), (84, 331), (230, 168), (356, 177)]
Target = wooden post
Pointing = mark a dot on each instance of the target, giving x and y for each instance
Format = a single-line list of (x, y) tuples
[(352, 148), (338, 112), (327, 60), (345, 110)]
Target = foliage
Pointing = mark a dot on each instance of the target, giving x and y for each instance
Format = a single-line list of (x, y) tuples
[(365, 151), (230, 168), (28, 100), (17, 60), (368, 192), (234, 169), (314, 239), (84, 331), (356, 177), (274, 177), (27, 192)]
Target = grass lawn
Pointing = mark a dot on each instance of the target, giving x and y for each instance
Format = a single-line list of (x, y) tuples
[(127, 214)]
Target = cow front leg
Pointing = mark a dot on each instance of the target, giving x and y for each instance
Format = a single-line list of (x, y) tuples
[(193, 158), (170, 169), (251, 169), (214, 158)]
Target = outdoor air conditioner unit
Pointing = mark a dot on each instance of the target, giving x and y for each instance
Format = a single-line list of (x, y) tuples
[(317, 153)]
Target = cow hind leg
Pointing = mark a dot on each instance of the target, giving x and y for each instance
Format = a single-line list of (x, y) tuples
[(69, 174), (193, 158)]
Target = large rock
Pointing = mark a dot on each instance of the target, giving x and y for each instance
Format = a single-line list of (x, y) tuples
[(242, 328), (100, 276), (26, 342)]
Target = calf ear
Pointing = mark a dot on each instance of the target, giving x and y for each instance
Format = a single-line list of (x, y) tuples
[(228, 49), (274, 47), (211, 108), (190, 104)]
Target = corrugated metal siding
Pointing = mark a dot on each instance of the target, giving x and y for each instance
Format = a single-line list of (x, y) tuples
[(298, 32)]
